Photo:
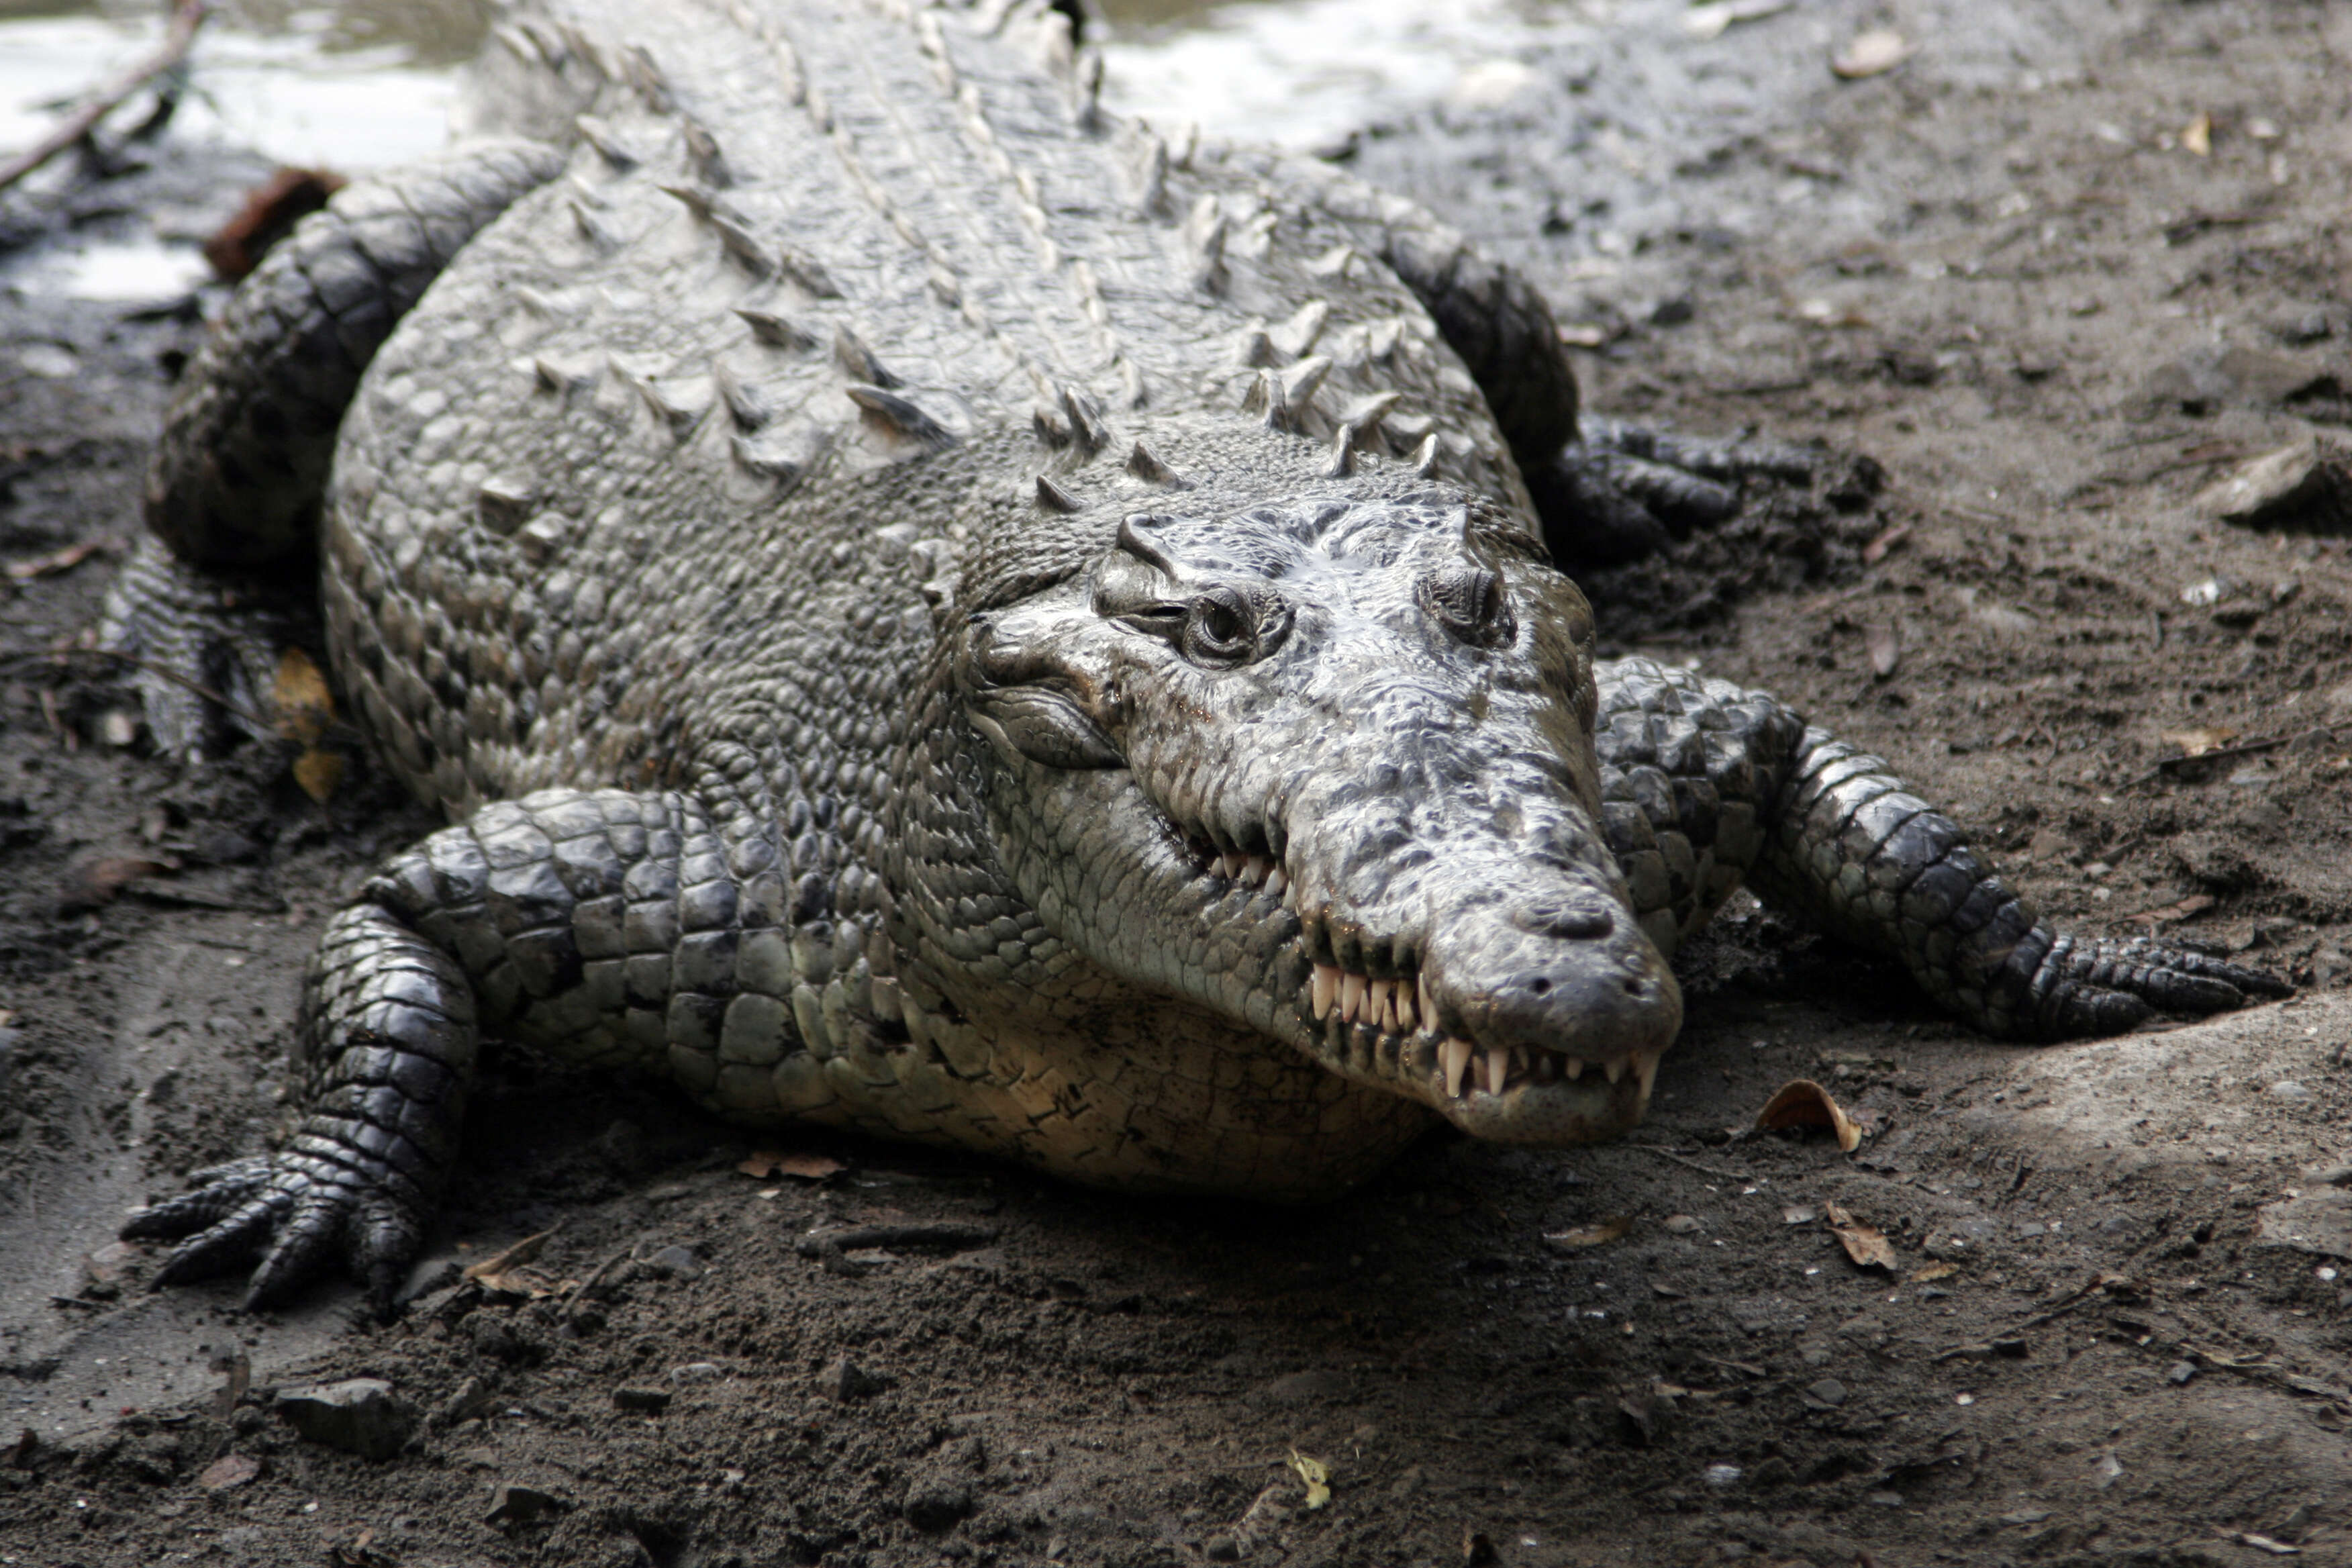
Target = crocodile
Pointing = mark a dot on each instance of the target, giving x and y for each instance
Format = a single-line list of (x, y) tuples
[(935, 609)]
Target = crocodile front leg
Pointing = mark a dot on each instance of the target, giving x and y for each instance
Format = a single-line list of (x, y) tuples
[(570, 917), (1705, 783)]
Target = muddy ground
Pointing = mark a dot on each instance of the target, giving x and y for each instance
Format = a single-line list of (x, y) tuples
[(2055, 273)]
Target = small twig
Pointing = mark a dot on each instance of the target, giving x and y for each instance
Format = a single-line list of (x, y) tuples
[(2244, 749), (187, 15), (149, 667), (1714, 1171)]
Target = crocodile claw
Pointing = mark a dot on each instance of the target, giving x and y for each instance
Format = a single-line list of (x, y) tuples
[(2103, 986), (1622, 491), (293, 1211)]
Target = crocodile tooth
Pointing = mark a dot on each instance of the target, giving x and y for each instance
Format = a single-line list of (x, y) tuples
[(1571, 1068), (1352, 996), (1277, 886), (775, 330), (1256, 351), (1379, 1011), (857, 361), (1407, 1020), (1428, 1008), (1615, 1067), (1327, 986), (1052, 497), (1424, 456), (1546, 1066), (1498, 1069), (1145, 465), (1645, 1069), (1456, 1053)]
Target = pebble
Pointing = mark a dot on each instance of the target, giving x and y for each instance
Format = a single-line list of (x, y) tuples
[(696, 1372), (2180, 1372), (1723, 1475), (1222, 1549), (1828, 1394), (677, 1262), (511, 1503), (2287, 1089), (843, 1380), (1681, 1224), (362, 1416)]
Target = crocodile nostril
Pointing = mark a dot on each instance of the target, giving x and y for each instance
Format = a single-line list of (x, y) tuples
[(1541, 987), (1637, 988), (1573, 922)]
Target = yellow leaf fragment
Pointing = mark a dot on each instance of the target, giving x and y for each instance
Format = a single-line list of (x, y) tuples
[(804, 1167), (319, 773), (1866, 1245), (1801, 1102), (511, 1258), (1600, 1235), (2197, 743), (1928, 1273), (306, 709), (1317, 1478)]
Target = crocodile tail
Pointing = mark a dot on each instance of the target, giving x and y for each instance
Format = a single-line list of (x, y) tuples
[(243, 461)]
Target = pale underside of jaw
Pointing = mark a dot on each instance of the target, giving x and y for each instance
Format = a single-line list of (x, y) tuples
[(1403, 1009)]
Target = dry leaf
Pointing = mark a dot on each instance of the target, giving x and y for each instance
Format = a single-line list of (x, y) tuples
[(49, 565), (2197, 743), (2198, 135), (228, 1471), (1873, 53), (1866, 1246), (1600, 1235), (1875, 551), (318, 772), (2194, 904), (1801, 1102), (306, 709), (804, 1167), (1318, 1478), (512, 1257), (95, 882), (1929, 1272), (1885, 645)]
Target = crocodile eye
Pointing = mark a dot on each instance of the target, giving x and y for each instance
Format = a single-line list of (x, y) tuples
[(1224, 625), (1471, 605)]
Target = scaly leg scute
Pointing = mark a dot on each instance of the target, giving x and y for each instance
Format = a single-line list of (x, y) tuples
[(1881, 869)]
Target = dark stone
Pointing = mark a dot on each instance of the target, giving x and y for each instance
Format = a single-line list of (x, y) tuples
[(641, 1401), (362, 1417)]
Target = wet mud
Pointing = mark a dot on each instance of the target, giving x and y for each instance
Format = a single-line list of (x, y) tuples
[(2114, 1328)]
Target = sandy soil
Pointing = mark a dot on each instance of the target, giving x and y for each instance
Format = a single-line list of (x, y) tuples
[(2114, 1329)]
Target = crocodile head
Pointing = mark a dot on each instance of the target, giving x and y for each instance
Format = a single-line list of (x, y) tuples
[(1326, 769)]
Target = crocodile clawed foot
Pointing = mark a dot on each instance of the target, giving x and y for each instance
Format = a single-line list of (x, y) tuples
[(200, 648), (292, 1214), (2105, 986), (1622, 491)]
